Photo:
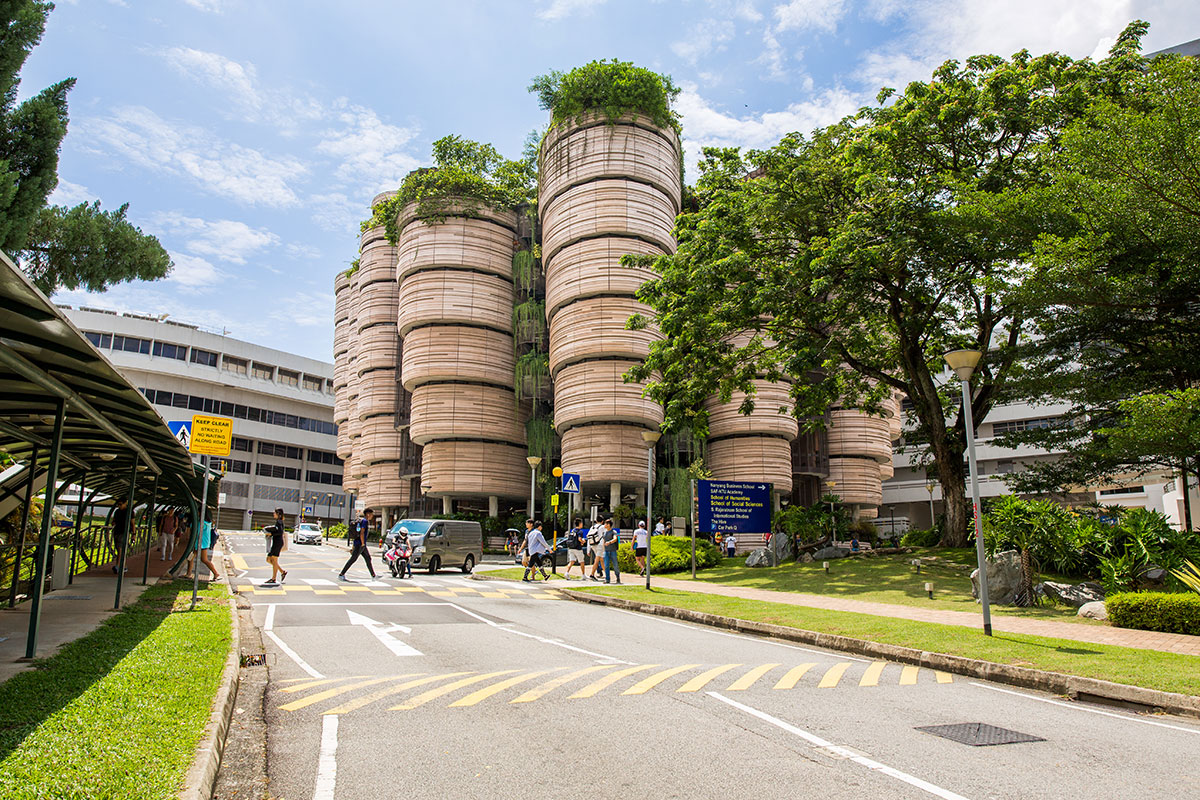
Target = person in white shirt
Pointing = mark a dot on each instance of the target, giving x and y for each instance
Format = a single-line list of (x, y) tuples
[(660, 527), (595, 539), (536, 547), (640, 537), (730, 545)]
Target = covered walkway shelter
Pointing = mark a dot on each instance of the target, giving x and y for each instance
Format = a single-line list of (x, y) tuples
[(68, 418)]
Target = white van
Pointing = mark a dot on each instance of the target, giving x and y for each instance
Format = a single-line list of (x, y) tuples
[(438, 543)]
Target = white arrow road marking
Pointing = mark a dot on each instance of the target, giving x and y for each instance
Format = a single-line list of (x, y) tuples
[(376, 628)]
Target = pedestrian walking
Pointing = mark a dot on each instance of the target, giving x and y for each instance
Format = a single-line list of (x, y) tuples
[(595, 539), (730, 545), (576, 547), (612, 540), (278, 542), (166, 534), (358, 544), (640, 539), (120, 531), (208, 538), (660, 527), (535, 547)]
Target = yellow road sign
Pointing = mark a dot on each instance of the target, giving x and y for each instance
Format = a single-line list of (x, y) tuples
[(554, 500), (211, 436)]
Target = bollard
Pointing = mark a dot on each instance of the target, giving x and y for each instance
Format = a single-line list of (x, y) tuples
[(825, 564), (929, 590), (916, 562)]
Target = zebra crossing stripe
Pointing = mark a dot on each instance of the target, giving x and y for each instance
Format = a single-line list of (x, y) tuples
[(793, 676), (700, 681), (433, 694), (747, 680), (305, 702), (561, 680), (871, 676), (646, 684), (499, 686), (593, 689), (366, 700)]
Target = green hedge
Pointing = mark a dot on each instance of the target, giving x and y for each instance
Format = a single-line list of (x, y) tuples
[(1155, 611), (671, 554), (921, 538)]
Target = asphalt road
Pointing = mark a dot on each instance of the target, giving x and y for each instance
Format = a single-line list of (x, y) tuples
[(441, 686)]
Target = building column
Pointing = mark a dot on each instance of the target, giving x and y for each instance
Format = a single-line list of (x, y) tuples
[(447, 504), (640, 498), (614, 496), (493, 506)]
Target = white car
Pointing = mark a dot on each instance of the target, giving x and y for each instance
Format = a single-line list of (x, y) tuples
[(307, 533)]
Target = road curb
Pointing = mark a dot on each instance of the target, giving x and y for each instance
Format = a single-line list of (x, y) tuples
[(201, 777), (1071, 686)]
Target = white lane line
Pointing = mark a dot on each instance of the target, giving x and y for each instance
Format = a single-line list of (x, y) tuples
[(381, 603), (318, 582), (293, 655), (843, 752), (1078, 707), (270, 621), (556, 642), (327, 760), (763, 639)]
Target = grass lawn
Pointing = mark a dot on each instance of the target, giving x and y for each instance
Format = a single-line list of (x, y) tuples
[(882, 579), (515, 573), (117, 713), (1166, 671)]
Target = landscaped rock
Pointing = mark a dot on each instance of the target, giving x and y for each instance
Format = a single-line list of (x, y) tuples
[(1094, 610), (805, 558), (1003, 578), (826, 553), (760, 558), (780, 547), (1071, 595)]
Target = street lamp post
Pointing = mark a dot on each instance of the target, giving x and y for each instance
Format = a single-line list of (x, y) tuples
[(832, 522), (932, 519), (963, 362), (533, 462), (651, 439)]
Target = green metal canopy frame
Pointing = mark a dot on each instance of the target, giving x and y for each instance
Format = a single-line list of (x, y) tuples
[(66, 413)]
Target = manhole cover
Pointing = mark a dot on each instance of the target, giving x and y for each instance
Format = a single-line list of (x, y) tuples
[(254, 659), (979, 734)]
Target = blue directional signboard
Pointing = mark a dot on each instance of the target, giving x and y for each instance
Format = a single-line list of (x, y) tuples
[(570, 483), (732, 507)]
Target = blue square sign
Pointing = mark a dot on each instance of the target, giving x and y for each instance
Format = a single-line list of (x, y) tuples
[(570, 483)]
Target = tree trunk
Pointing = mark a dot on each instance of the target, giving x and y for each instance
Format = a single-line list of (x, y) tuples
[(1187, 498), (958, 519), (1026, 596)]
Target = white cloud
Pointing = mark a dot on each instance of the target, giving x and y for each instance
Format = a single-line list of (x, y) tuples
[(193, 272), (371, 152), (305, 309), (705, 37), (561, 9), (211, 6), (223, 168), (223, 239), (305, 252), (70, 194), (335, 212), (800, 15)]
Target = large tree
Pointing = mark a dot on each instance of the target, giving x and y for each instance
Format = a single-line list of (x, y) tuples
[(856, 257), (1117, 293), (59, 247)]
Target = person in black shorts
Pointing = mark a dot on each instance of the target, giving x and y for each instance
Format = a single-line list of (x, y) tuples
[(277, 534), (359, 544)]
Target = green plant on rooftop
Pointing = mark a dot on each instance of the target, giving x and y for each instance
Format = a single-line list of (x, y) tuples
[(615, 88)]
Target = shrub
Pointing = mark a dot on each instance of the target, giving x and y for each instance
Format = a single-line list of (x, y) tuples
[(1155, 611), (613, 87), (671, 554), (921, 538), (863, 530), (337, 531)]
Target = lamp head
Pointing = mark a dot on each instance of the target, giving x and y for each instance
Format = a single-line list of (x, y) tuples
[(963, 362), (533, 461), (651, 437)]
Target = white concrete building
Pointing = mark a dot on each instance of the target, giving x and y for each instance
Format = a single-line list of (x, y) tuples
[(285, 440)]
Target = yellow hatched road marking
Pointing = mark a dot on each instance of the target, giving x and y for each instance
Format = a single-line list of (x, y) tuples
[(298, 588), (441, 691), (365, 700), (871, 676), (443, 594), (909, 676), (593, 689), (493, 594), (747, 680), (304, 702), (239, 562), (309, 684), (793, 676), (551, 685), (700, 681), (833, 675), (646, 684), (292, 680), (499, 686), (943, 677), (356, 588), (544, 596)]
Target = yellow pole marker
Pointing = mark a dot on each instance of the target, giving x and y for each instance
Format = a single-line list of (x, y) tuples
[(793, 676), (442, 691), (833, 675), (499, 686), (365, 700), (646, 684), (700, 681), (310, 684), (909, 676), (747, 680), (550, 685), (593, 689), (871, 676), (334, 692), (943, 677)]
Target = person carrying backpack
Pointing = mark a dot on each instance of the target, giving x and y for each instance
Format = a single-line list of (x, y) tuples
[(358, 544)]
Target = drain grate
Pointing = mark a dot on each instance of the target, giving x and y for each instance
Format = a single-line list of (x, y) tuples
[(254, 659), (979, 734)]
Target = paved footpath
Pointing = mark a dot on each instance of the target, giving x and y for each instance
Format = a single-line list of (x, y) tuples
[(1096, 634)]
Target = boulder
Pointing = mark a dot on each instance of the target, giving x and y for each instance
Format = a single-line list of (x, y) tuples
[(1003, 578), (780, 546), (1093, 610), (760, 558), (826, 553), (805, 558), (1071, 595)]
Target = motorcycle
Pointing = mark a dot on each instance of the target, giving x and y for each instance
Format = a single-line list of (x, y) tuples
[(398, 558)]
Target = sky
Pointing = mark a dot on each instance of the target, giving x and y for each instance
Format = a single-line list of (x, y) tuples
[(249, 136)]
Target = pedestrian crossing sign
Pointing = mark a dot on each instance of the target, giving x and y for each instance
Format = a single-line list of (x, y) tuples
[(570, 483), (182, 430)]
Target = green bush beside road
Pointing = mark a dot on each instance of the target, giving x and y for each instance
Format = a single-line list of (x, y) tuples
[(1155, 611), (117, 713), (671, 554)]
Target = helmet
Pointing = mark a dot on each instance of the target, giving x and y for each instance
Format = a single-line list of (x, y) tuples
[(403, 530)]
